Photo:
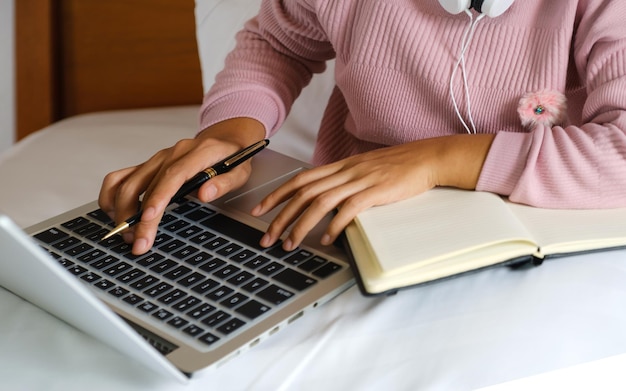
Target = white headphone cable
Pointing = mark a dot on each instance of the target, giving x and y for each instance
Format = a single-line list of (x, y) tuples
[(465, 42)]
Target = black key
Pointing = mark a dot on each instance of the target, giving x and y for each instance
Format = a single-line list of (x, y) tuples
[(172, 297), (147, 306), (190, 231), (104, 284), (99, 215), (75, 223), (215, 319), (215, 243), (312, 264), (96, 236), (177, 322), (185, 252), (193, 330), (158, 289), (77, 250), (118, 291), (162, 314), (203, 237), (76, 270), (172, 246), (176, 225), (185, 207), (234, 300), (161, 239), (150, 259), (112, 241), (278, 251), (145, 282), (219, 293), (275, 294), (133, 299), (270, 269), (257, 262), (294, 279), (105, 262), (201, 311), (186, 304), (240, 278), (177, 273), (131, 275), (229, 249), (66, 243), (87, 229), (235, 229), (164, 266), (212, 265), (91, 256), (90, 277), (117, 269), (50, 236), (300, 256), (200, 214), (226, 271), (191, 279), (326, 270), (166, 219), (255, 285), (197, 259), (208, 339), (122, 248), (230, 326), (253, 309), (243, 256), (205, 286), (65, 262)]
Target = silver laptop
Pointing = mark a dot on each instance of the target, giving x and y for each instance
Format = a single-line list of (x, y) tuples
[(205, 292)]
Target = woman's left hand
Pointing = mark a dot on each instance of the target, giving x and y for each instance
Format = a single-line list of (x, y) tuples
[(373, 178)]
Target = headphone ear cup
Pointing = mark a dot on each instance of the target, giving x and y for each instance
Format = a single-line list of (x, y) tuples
[(493, 8), (455, 6)]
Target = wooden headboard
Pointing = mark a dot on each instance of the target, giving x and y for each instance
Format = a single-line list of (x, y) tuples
[(78, 56)]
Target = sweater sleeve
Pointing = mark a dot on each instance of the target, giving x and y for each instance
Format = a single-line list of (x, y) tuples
[(580, 166), (275, 56)]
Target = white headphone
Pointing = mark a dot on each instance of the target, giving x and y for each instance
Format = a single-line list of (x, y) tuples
[(491, 8)]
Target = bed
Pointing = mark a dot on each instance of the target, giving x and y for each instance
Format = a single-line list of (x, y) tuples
[(103, 85)]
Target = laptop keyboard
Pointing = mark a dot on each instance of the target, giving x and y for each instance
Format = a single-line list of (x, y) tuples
[(206, 276)]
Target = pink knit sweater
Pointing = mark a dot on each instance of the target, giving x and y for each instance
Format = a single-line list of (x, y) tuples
[(394, 59)]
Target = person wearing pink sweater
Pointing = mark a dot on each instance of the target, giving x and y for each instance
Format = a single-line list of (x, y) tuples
[(527, 101)]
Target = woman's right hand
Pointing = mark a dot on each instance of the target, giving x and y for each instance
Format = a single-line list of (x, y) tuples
[(160, 177)]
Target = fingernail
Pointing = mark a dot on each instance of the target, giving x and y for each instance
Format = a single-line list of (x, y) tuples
[(265, 240), (288, 244), (140, 246), (256, 211), (211, 192), (326, 240)]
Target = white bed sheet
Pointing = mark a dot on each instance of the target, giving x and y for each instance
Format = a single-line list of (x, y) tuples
[(471, 332)]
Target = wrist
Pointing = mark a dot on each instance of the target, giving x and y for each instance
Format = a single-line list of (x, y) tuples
[(241, 131), (460, 158)]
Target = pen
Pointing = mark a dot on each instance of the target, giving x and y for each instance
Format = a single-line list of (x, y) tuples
[(194, 183)]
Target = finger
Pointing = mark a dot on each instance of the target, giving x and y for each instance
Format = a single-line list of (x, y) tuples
[(319, 207), (109, 188), (289, 188), (300, 200)]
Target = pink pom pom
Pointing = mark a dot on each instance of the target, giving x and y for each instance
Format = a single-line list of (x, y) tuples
[(543, 107)]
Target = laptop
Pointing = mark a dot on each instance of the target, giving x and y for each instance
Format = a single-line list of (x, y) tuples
[(205, 293)]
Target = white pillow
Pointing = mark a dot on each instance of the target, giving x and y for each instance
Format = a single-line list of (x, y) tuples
[(217, 22)]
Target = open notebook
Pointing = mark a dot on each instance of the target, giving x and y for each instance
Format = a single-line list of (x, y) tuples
[(203, 294)]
